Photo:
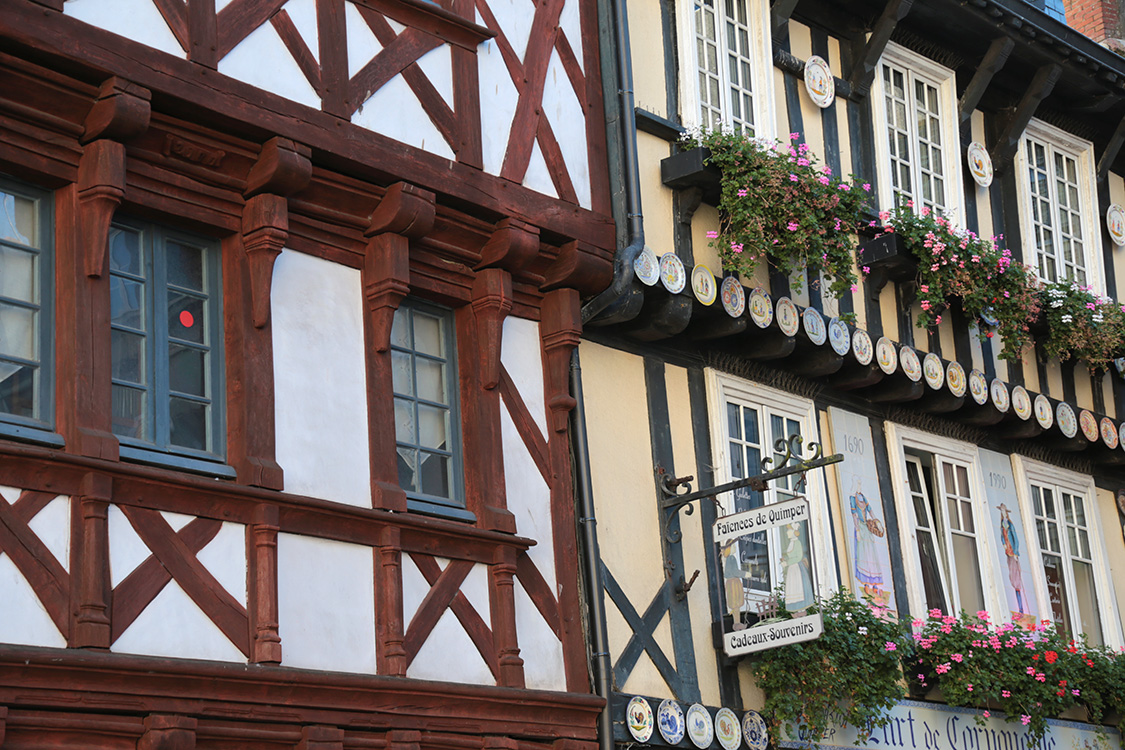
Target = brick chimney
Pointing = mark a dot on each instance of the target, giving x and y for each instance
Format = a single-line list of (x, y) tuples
[(1101, 20)]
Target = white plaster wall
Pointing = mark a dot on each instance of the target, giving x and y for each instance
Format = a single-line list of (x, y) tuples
[(262, 60), (51, 525), (362, 44), (564, 112), (395, 112), (515, 18), (126, 550), (173, 625), (538, 177), (138, 20), (449, 655), (498, 96), (326, 604), (540, 650), (520, 353), (320, 385), (414, 587), (23, 619), (475, 589), (571, 25)]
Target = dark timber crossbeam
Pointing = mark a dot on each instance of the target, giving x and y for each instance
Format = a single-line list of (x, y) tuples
[(1039, 89), (868, 52), (779, 18), (1112, 148), (989, 66)]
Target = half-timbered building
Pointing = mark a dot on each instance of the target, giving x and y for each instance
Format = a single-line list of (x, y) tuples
[(288, 295), (936, 431)]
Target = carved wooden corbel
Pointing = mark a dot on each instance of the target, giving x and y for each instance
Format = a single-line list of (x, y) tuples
[(990, 65), (1038, 90), (101, 186), (561, 327), (121, 112), (265, 230), (320, 737), (1109, 153), (512, 246), (492, 301), (869, 50), (168, 732), (283, 168), (266, 645), (92, 620), (578, 265)]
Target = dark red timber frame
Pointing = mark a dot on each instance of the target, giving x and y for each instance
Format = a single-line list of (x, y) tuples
[(106, 143)]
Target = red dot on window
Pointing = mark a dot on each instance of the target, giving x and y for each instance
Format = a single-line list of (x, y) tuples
[(186, 319)]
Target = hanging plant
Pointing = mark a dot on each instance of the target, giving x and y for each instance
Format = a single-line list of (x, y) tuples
[(778, 205), (955, 264), (1082, 325), (850, 675)]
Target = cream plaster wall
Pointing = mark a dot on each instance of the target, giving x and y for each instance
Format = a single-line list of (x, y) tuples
[(646, 34), (656, 200), (1113, 531)]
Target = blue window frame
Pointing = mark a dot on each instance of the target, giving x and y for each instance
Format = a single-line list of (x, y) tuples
[(427, 429), (166, 345), (26, 306)]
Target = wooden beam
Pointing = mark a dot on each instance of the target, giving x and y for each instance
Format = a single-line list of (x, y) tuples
[(1112, 149), (779, 18), (868, 52), (990, 65), (1039, 89)]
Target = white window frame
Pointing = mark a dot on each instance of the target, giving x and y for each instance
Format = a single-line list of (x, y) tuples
[(1028, 471), (761, 50), (1082, 151), (722, 387), (944, 79), (899, 440)]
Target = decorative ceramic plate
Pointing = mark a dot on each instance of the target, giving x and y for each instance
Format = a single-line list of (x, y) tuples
[(670, 721), (980, 164), (727, 730), (1000, 398), (932, 371), (1119, 364), (1044, 414), (911, 365), (672, 273), (647, 267), (886, 355), (988, 317), (1109, 433), (819, 81), (754, 731), (862, 348), (1089, 424), (1021, 403), (703, 284), (978, 387), (838, 337), (1121, 436), (638, 717), (814, 326), (733, 296), (1115, 221), (955, 378), (700, 729), (761, 308), (788, 319), (1068, 423)]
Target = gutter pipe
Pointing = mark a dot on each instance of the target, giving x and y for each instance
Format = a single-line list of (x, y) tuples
[(623, 259), (603, 667)]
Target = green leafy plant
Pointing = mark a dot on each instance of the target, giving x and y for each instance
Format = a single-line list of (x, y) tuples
[(1031, 674), (778, 205), (1082, 325), (955, 264), (849, 675)]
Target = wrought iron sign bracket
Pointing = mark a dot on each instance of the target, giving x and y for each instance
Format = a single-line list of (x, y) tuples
[(787, 460)]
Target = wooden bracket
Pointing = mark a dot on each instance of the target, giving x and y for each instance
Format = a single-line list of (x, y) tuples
[(92, 620), (405, 210), (121, 112), (283, 168), (1039, 89), (779, 19), (502, 587), (168, 732), (101, 186), (578, 266), (990, 65), (1112, 149), (561, 327), (512, 246), (320, 737), (492, 301), (262, 538), (386, 281), (265, 229), (868, 51)]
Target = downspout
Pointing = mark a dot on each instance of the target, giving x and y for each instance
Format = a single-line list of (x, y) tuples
[(623, 259), (603, 667)]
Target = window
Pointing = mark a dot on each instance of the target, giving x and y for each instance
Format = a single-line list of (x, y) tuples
[(750, 420), (166, 344), (919, 158), (26, 284), (1055, 190), (427, 434), (731, 58)]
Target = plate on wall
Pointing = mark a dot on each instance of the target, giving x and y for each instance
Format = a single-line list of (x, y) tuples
[(955, 378), (733, 296), (911, 366), (761, 307), (814, 326), (978, 387), (980, 164), (1044, 414), (862, 347), (788, 319), (647, 267), (819, 82), (672, 273), (670, 721), (727, 729), (838, 337), (1000, 397), (1115, 223), (754, 731), (638, 717), (700, 728), (1109, 433), (932, 371), (1089, 424), (886, 355), (703, 284), (1021, 403), (1068, 423)]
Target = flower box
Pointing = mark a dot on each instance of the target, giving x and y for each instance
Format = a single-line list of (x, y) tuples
[(888, 259), (689, 169)]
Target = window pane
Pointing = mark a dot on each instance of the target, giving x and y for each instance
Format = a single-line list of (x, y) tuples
[(127, 352), (125, 251), (129, 412), (969, 589), (188, 423), (750, 426), (433, 427), (431, 380), (185, 266), (187, 370), (931, 575), (435, 471), (407, 469), (127, 303), (17, 219), (17, 274), (404, 421), (185, 317), (1056, 592), (17, 332), (1087, 602), (428, 335), (400, 329), (17, 389), (734, 424), (402, 374)]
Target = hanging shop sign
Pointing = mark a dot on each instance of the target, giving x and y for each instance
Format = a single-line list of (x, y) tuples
[(765, 557)]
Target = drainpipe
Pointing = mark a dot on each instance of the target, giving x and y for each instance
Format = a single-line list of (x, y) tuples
[(603, 667), (623, 259)]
